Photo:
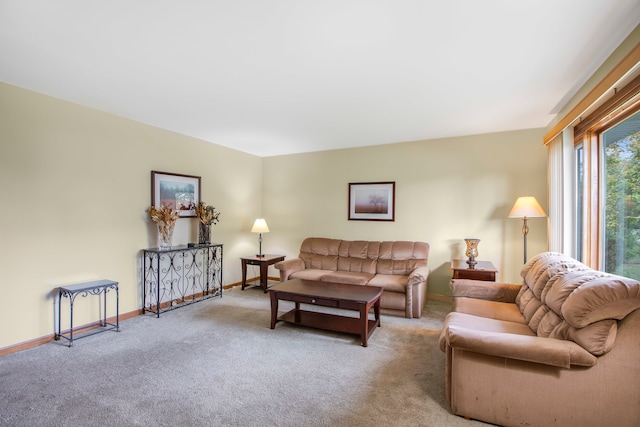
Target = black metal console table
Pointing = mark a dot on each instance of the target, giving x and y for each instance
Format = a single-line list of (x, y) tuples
[(97, 287), (180, 276)]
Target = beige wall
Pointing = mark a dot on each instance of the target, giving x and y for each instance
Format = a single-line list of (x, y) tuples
[(74, 185), (446, 190)]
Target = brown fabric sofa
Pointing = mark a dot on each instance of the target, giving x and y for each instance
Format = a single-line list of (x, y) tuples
[(400, 268), (562, 349)]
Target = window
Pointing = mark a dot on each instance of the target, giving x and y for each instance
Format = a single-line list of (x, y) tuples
[(607, 185), (621, 198)]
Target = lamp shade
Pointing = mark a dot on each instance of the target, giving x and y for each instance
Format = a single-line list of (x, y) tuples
[(260, 226), (526, 207)]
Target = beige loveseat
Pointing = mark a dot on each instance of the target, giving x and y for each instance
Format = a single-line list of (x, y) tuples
[(562, 349), (400, 268)]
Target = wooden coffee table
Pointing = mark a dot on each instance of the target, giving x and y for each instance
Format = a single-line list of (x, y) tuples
[(337, 295)]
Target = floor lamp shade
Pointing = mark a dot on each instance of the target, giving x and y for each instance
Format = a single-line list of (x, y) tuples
[(260, 226), (525, 208)]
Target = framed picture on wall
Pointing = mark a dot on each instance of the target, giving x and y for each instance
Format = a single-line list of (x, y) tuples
[(372, 201), (179, 192)]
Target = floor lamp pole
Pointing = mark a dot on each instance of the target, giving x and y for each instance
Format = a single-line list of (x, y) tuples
[(525, 231)]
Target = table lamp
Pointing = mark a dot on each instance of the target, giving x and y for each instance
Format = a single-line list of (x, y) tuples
[(526, 207), (260, 226)]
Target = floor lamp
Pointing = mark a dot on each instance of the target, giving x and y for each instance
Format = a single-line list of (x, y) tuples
[(525, 208), (260, 226)]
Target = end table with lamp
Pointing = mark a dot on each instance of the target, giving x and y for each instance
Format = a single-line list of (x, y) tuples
[(264, 261), (260, 259)]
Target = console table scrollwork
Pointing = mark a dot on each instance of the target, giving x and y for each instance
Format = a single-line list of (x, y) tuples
[(179, 276)]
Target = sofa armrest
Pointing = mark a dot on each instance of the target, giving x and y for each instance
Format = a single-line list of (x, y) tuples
[(417, 276), (289, 266), (479, 289), (547, 351)]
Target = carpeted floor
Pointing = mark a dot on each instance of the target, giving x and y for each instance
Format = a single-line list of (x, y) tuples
[(217, 363)]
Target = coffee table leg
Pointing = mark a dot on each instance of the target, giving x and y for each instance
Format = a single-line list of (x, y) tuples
[(364, 323), (376, 311), (274, 309)]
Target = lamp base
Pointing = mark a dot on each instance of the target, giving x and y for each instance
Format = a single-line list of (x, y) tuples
[(260, 255)]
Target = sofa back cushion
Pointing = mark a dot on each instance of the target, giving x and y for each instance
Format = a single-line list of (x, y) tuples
[(402, 257), (358, 256), (320, 253), (399, 258), (603, 297), (564, 299)]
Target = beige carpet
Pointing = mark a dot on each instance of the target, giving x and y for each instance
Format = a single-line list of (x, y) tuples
[(217, 363)]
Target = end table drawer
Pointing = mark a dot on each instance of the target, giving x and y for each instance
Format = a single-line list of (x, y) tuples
[(489, 276)]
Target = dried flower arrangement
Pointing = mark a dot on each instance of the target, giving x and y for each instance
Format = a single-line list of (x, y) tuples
[(165, 218), (207, 214)]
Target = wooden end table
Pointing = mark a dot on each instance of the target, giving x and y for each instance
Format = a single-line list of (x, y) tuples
[(264, 262), (337, 295), (484, 270)]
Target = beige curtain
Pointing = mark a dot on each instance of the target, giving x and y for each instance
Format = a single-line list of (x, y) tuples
[(562, 194)]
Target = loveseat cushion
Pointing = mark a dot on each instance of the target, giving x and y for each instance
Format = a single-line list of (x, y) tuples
[(604, 297), (597, 338), (492, 291), (489, 309), (564, 299)]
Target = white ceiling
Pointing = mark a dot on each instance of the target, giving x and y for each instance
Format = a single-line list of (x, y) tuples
[(272, 77)]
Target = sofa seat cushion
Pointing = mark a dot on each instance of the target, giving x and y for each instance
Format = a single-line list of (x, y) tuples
[(347, 277), (309, 274), (390, 282), (489, 309)]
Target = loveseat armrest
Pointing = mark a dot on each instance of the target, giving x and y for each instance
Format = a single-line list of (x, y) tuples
[(289, 266), (479, 289), (547, 351)]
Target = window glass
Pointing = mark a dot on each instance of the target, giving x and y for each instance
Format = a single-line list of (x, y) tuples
[(621, 198), (579, 192)]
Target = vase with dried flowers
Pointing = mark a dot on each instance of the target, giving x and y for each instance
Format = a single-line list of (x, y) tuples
[(165, 218), (207, 216)]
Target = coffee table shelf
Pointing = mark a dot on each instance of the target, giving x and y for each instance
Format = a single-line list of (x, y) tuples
[(328, 322)]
